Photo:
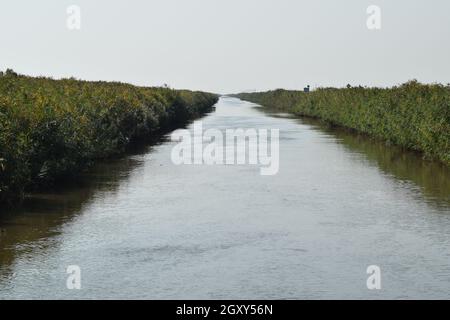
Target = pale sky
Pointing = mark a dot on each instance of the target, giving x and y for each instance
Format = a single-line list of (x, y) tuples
[(227, 46)]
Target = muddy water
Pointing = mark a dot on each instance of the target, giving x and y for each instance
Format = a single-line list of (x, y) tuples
[(141, 227)]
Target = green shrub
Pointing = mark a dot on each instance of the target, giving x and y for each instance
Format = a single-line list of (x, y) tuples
[(413, 115), (53, 128)]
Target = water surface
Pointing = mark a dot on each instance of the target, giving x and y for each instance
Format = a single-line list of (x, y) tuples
[(140, 227)]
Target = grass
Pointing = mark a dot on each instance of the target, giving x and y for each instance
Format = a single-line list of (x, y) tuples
[(413, 115), (52, 129)]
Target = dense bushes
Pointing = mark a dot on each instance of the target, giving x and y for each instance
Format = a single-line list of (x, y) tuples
[(413, 115), (52, 128)]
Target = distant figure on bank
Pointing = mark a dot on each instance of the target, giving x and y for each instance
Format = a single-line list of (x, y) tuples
[(306, 90)]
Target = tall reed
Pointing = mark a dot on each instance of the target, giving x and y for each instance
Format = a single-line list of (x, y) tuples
[(415, 116), (50, 129)]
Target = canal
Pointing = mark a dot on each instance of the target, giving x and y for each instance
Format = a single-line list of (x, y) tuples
[(141, 227)]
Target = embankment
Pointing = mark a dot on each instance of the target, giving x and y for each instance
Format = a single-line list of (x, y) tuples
[(52, 129), (413, 115)]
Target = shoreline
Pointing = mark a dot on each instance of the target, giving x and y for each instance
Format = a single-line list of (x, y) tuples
[(53, 129), (413, 116)]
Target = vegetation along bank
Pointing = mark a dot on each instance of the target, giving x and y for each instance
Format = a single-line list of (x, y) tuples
[(52, 129), (415, 116)]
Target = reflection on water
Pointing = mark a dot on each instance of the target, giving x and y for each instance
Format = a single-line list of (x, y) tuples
[(432, 177), (140, 227), (41, 214)]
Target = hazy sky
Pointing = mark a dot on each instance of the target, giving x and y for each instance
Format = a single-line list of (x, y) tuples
[(229, 45)]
